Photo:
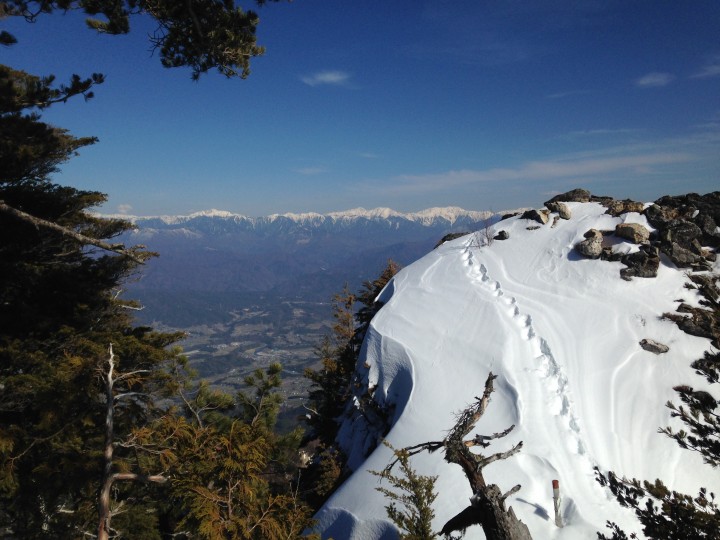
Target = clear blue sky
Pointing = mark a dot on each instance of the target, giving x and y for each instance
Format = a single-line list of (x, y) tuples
[(403, 103)]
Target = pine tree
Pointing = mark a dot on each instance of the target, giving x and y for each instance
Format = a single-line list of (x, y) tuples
[(232, 478), (202, 34), (59, 311), (410, 507)]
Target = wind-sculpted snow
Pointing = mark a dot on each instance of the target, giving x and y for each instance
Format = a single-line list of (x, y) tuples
[(562, 334)]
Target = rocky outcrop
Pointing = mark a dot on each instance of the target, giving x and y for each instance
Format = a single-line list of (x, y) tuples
[(574, 195), (541, 216), (448, 237), (635, 232), (643, 263), (654, 346), (502, 235), (617, 208), (591, 247), (697, 322), (687, 225)]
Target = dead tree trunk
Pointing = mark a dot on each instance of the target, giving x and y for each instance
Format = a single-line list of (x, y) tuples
[(487, 505), (108, 477)]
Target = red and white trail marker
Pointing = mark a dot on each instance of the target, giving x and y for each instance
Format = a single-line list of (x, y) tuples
[(556, 502)]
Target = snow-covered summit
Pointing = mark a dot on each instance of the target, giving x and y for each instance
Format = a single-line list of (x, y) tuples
[(424, 217), (562, 333)]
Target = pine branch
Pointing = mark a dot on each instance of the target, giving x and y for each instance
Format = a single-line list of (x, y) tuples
[(81, 238)]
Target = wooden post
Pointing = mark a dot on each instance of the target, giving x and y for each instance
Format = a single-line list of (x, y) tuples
[(556, 503)]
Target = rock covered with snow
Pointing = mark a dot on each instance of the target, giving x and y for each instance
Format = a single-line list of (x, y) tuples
[(561, 332)]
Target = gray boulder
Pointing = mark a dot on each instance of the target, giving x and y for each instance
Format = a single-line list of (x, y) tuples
[(560, 208), (591, 247), (501, 235), (653, 346)]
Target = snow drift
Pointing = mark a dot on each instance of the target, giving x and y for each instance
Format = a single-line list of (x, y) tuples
[(562, 333)]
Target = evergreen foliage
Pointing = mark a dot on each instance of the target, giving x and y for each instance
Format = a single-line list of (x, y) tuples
[(84, 423), (339, 353), (202, 34), (233, 478), (410, 507), (332, 385), (59, 311)]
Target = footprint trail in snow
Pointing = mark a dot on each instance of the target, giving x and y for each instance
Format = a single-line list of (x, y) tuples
[(554, 380)]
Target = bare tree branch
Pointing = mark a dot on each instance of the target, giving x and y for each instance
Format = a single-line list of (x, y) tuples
[(81, 238)]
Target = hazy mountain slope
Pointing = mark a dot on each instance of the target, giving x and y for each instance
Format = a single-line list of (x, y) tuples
[(563, 335), (308, 256)]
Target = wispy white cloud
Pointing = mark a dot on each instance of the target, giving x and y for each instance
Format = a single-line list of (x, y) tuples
[(368, 155), (331, 78), (536, 171), (124, 208), (710, 69), (561, 95), (599, 132), (655, 79)]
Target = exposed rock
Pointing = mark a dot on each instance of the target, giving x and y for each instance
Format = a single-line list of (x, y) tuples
[(700, 322), (448, 237), (709, 228), (508, 216), (591, 247), (682, 257), (643, 263), (708, 287), (635, 232), (616, 208), (687, 205), (559, 207), (653, 346), (680, 231), (555, 221), (541, 216), (658, 215), (501, 235), (574, 195), (532, 227), (687, 224)]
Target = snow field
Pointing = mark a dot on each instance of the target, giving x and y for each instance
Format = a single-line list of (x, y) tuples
[(562, 335)]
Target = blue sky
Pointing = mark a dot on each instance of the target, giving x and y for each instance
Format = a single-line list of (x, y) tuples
[(405, 103)]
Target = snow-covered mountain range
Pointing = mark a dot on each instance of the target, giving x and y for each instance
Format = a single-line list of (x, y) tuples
[(563, 334), (311, 255), (427, 217)]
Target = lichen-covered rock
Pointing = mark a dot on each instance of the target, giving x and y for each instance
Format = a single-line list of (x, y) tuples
[(654, 346), (616, 208), (591, 247), (681, 232), (635, 232), (560, 207)]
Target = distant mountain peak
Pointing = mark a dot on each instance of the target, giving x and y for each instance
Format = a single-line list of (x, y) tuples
[(424, 217)]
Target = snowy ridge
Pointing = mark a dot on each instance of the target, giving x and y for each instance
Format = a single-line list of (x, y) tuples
[(424, 217), (562, 333)]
